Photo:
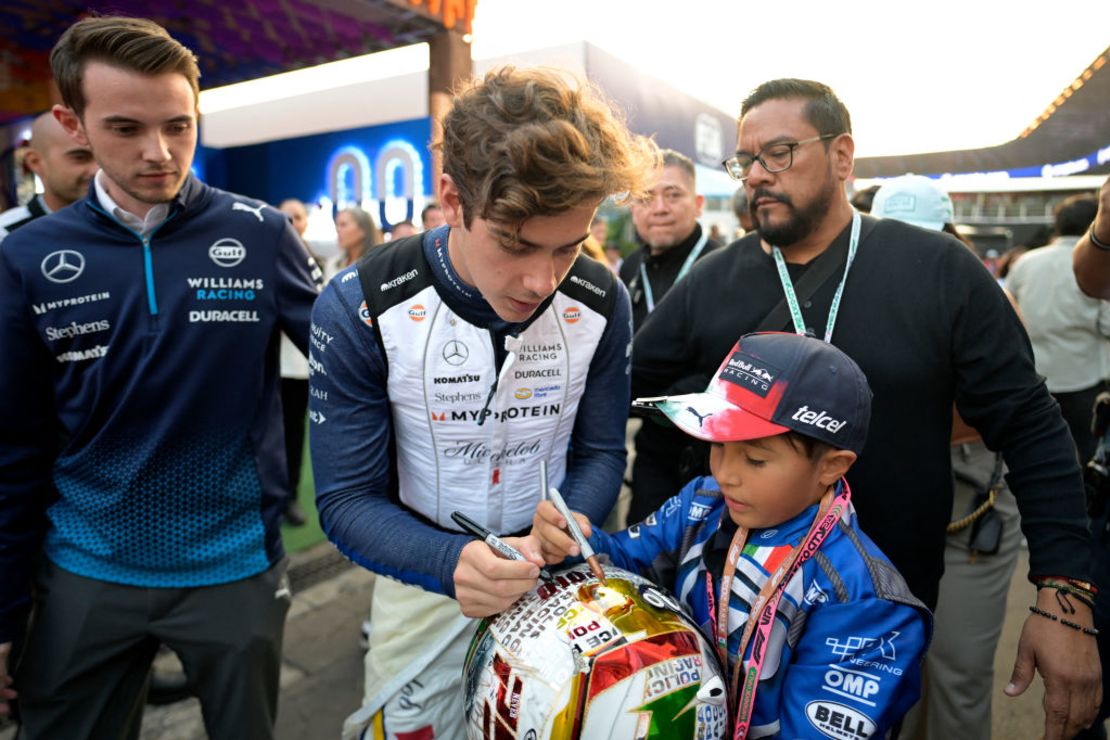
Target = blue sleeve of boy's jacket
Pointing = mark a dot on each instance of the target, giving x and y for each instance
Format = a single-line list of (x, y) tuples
[(651, 548), (855, 671)]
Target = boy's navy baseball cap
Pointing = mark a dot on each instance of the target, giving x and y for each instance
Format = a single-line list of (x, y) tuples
[(774, 382)]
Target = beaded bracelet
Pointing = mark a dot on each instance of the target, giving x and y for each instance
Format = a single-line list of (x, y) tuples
[(1064, 590), (1085, 587), (1095, 240), (1067, 623)]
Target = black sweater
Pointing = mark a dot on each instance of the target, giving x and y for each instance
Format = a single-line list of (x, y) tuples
[(662, 270), (928, 325)]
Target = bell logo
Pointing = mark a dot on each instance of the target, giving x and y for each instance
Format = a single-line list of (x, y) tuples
[(417, 312), (441, 416), (523, 393), (572, 314)]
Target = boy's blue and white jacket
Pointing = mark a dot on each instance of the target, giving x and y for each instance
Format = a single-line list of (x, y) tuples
[(845, 654), (140, 419)]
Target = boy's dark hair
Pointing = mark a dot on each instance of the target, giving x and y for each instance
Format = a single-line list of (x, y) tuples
[(134, 44), (813, 448), (1074, 215), (823, 111)]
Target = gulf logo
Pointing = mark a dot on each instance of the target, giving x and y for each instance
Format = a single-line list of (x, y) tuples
[(417, 312), (364, 314), (523, 393), (571, 314)]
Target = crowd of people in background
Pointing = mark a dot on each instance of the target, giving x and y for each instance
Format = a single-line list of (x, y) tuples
[(161, 376)]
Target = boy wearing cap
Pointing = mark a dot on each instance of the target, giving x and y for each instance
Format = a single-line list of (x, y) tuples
[(835, 639)]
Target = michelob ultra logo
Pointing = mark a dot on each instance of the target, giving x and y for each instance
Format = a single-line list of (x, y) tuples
[(417, 312), (571, 314)]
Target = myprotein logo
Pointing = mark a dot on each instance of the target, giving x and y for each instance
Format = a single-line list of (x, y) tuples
[(227, 252), (75, 330), (818, 419), (41, 308), (750, 373), (63, 266), (399, 280), (587, 285)]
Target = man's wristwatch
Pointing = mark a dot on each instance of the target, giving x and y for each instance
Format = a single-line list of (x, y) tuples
[(1096, 241)]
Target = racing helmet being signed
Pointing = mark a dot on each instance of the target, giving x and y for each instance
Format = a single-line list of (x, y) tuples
[(576, 658)]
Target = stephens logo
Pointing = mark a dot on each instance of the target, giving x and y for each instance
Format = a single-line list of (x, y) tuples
[(417, 312), (227, 252), (571, 314)]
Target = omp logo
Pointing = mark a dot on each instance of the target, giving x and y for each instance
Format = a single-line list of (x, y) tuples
[(523, 393), (839, 721), (238, 206), (855, 644), (399, 280), (63, 266), (698, 512), (571, 314), (854, 685), (364, 314), (227, 252), (417, 312), (816, 595), (819, 419), (587, 285)]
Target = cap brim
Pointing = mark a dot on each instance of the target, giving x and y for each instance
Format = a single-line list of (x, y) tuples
[(713, 419)]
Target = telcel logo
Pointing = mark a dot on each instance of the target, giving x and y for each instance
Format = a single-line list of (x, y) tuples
[(227, 252)]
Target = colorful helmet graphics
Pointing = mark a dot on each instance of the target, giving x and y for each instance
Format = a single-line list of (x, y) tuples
[(578, 659)]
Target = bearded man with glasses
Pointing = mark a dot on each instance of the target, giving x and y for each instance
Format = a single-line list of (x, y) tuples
[(929, 327)]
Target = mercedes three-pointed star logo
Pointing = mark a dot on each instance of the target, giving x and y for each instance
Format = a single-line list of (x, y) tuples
[(63, 266), (455, 352)]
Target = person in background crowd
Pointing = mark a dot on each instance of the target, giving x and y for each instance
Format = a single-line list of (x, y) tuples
[(1091, 259), (743, 211), (599, 230), (1070, 331), (863, 199), (356, 234), (496, 332), (141, 461), (401, 230), (294, 388), (673, 240), (431, 217), (875, 282), (63, 166), (297, 214), (981, 548)]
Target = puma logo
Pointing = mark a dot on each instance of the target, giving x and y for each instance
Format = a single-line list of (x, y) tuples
[(237, 206), (701, 417)]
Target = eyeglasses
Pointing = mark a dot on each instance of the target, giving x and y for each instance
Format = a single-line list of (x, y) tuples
[(775, 158)]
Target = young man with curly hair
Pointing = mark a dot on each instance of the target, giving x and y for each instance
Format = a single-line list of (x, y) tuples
[(447, 365)]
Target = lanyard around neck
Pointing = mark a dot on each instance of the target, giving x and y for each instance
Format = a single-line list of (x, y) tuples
[(649, 297), (761, 618), (788, 284)]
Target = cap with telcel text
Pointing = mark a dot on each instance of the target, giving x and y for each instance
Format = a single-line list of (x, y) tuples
[(774, 382)]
